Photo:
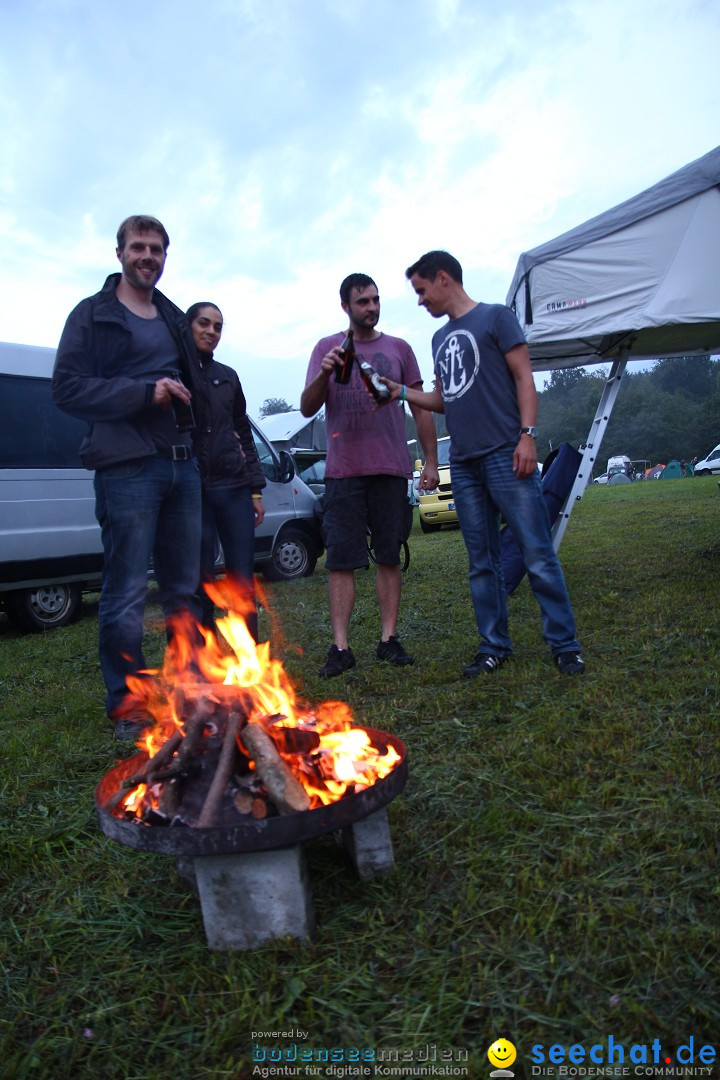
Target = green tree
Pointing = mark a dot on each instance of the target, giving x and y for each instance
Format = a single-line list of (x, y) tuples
[(691, 376), (565, 381), (273, 405), (567, 407), (668, 412)]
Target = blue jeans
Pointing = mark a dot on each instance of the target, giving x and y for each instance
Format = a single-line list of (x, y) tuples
[(148, 507), (227, 514), (485, 488)]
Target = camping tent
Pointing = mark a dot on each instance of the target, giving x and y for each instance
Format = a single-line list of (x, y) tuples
[(672, 471), (655, 472), (638, 281), (640, 277)]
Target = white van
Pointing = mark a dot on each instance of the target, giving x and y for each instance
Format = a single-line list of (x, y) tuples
[(709, 464), (620, 463), (50, 547)]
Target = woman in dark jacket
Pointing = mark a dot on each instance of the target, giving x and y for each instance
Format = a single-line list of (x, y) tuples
[(232, 476)]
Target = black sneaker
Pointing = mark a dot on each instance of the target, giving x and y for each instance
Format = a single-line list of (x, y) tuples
[(338, 661), (570, 663), (484, 664), (130, 728), (393, 651)]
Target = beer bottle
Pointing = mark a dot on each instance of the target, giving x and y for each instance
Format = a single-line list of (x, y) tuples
[(184, 417), (370, 377), (343, 373)]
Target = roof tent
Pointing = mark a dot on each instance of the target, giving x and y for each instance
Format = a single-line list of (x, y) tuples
[(638, 281), (291, 430)]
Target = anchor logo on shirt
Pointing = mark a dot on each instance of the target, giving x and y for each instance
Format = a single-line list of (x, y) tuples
[(455, 372), (453, 366)]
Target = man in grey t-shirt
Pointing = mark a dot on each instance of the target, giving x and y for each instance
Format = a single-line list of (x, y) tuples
[(484, 385), (122, 365)]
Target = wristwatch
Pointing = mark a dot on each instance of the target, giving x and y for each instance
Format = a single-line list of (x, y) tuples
[(531, 431)]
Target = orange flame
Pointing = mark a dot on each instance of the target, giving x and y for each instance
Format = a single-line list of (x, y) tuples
[(345, 760)]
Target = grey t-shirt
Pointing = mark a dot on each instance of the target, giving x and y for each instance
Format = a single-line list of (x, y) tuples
[(481, 406), (154, 355)]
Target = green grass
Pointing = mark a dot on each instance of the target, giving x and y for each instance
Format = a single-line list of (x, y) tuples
[(556, 874)]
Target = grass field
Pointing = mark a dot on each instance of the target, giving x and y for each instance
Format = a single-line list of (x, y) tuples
[(556, 876)]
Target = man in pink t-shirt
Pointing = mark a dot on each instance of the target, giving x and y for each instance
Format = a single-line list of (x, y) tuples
[(367, 469)]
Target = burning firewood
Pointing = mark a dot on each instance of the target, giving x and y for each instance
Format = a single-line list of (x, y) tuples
[(223, 772), (237, 742), (286, 792), (143, 774)]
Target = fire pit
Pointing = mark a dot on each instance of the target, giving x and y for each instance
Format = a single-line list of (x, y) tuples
[(235, 776)]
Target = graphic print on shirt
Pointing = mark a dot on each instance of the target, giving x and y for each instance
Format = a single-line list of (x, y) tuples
[(457, 362)]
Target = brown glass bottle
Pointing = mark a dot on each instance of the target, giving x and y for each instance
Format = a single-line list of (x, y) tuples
[(184, 417), (370, 377), (343, 373)]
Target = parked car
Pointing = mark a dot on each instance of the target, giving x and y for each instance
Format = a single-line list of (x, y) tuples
[(601, 479), (50, 547), (310, 466), (437, 508), (709, 464)]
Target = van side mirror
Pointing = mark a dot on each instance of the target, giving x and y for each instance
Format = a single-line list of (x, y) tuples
[(287, 466)]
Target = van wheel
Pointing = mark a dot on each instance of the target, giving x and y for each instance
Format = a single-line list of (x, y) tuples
[(293, 557), (44, 607)]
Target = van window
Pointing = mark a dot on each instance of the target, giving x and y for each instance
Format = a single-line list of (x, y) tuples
[(34, 433), (268, 458)]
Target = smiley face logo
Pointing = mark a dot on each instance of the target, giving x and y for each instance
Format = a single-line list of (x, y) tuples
[(502, 1053)]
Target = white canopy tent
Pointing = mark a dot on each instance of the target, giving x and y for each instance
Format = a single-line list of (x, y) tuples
[(640, 281)]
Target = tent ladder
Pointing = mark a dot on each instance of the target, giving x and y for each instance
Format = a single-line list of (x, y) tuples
[(592, 448)]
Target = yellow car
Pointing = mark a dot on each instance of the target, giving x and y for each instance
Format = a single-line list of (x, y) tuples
[(437, 508)]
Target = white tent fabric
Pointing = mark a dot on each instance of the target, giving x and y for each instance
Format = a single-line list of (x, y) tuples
[(640, 280)]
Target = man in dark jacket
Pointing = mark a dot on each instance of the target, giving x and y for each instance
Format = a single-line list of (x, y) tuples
[(124, 364)]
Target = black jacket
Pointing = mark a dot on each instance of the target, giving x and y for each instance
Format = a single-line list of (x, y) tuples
[(223, 438), (89, 381)]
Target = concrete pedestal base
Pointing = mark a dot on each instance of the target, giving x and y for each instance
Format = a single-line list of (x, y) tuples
[(369, 845), (255, 897), (250, 898)]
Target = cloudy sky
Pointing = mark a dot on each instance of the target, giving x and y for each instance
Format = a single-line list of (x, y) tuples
[(286, 143)]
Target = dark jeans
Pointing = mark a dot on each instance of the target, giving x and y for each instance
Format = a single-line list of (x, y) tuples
[(228, 515), (149, 507), (483, 489)]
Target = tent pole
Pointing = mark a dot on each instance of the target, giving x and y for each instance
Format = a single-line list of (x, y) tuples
[(592, 448)]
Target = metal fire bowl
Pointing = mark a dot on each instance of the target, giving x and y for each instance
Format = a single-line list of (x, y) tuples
[(249, 834)]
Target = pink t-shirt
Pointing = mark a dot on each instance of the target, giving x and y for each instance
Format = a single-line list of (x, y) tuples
[(361, 442)]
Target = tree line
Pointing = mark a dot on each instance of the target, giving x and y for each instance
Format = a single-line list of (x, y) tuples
[(670, 411)]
